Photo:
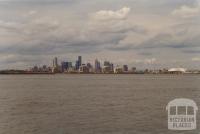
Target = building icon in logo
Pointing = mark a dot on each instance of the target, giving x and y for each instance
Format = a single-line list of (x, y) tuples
[(182, 114)]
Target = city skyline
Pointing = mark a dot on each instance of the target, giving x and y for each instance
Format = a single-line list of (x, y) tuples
[(95, 67), (140, 33), (141, 65)]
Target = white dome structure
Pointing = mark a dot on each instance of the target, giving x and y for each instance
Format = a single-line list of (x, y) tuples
[(174, 70)]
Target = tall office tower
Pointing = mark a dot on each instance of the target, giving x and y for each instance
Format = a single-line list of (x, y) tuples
[(80, 60), (77, 65), (111, 67), (97, 66), (55, 62), (69, 64), (64, 66)]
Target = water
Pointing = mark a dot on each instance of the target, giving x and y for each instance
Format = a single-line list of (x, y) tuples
[(92, 104)]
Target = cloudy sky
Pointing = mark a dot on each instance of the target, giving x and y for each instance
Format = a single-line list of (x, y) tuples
[(141, 33)]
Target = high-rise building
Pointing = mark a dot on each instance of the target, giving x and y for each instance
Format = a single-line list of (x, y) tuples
[(97, 66), (111, 67), (78, 63), (69, 64), (108, 67), (64, 66), (80, 60), (55, 62), (56, 67)]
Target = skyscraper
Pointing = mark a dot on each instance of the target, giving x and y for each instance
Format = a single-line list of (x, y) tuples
[(97, 66), (64, 66), (55, 62), (69, 64), (111, 67), (108, 67), (78, 62), (77, 65)]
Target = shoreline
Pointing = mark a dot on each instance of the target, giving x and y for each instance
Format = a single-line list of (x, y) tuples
[(97, 74)]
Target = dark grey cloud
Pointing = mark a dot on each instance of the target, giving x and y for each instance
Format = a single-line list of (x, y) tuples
[(145, 53), (16, 2), (169, 41), (118, 48), (194, 51)]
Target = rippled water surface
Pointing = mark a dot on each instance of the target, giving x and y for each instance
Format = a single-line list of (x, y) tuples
[(92, 104)]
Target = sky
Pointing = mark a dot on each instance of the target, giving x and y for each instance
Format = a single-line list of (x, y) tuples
[(140, 33)]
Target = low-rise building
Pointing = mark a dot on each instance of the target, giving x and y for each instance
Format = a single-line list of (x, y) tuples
[(84, 69), (118, 70), (177, 70)]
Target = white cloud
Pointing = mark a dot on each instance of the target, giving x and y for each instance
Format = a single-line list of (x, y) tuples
[(150, 61), (146, 61), (9, 25), (32, 12), (109, 14), (196, 59), (186, 11)]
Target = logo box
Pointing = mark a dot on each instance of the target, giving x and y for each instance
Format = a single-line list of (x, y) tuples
[(182, 114)]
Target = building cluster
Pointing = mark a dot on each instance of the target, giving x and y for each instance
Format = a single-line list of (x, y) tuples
[(42, 69), (98, 67), (106, 67)]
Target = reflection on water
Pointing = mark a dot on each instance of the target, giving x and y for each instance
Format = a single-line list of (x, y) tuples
[(92, 104)]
